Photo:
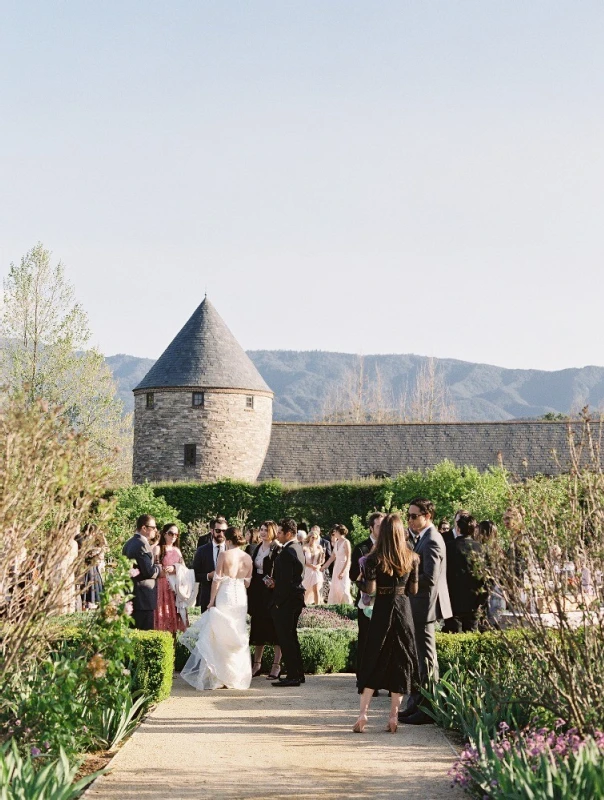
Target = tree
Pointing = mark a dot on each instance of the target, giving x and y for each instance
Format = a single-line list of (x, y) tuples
[(45, 356), (359, 396), (430, 400)]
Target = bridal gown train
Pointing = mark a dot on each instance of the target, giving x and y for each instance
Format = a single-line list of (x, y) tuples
[(219, 642)]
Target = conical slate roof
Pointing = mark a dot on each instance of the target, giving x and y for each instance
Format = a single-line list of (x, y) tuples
[(205, 355)]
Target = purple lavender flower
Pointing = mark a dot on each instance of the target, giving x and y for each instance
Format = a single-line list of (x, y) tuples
[(35, 752)]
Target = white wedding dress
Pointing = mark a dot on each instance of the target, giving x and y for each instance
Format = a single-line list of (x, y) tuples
[(219, 641)]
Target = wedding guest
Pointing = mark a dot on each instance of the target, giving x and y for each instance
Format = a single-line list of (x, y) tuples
[(166, 617), (465, 577), (363, 549), (313, 577), (205, 538), (488, 537), (94, 543), (431, 601), (251, 540), (262, 627), (513, 521), (389, 659), (204, 562), (301, 537), (65, 574), (339, 591), (288, 602), (323, 541), (144, 573), (444, 528)]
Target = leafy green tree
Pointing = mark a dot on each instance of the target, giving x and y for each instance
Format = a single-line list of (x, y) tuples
[(46, 356)]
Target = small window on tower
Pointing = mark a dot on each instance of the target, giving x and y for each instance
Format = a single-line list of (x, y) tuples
[(198, 400), (150, 400), (190, 455), (249, 402)]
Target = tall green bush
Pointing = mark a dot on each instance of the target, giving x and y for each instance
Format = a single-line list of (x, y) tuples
[(130, 503)]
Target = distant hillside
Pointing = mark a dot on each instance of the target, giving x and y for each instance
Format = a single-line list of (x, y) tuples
[(479, 392)]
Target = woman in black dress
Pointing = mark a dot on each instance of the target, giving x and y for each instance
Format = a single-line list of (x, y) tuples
[(262, 629), (390, 656)]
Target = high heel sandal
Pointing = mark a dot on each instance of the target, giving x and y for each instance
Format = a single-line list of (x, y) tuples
[(392, 726), (275, 672), (256, 668)]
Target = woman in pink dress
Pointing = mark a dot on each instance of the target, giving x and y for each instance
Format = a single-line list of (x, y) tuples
[(339, 589), (166, 617)]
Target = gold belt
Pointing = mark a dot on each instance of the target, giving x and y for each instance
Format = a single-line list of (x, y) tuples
[(390, 590)]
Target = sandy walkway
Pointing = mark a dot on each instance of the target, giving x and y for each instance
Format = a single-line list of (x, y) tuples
[(276, 743)]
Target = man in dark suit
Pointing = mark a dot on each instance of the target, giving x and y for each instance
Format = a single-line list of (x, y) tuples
[(324, 542), (363, 549), (287, 601), (465, 577), (204, 562), (138, 549), (431, 601)]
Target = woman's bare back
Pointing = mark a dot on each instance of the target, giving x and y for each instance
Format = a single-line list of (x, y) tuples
[(234, 564)]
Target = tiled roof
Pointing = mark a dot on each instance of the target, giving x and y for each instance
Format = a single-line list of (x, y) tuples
[(319, 453), (205, 354)]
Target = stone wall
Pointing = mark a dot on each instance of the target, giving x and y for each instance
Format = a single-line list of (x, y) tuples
[(231, 440)]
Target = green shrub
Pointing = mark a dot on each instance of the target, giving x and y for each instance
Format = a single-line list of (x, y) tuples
[(130, 503), (153, 664), (28, 777)]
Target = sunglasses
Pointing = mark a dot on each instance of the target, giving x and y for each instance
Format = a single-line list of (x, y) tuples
[(414, 516)]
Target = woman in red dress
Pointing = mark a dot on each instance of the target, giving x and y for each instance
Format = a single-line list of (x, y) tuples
[(166, 617)]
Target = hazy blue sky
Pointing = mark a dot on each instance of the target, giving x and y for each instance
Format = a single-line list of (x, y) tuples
[(370, 176)]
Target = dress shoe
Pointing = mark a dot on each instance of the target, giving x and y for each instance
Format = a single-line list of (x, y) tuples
[(287, 682), (419, 718)]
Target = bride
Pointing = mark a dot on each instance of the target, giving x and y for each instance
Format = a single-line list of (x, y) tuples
[(218, 640)]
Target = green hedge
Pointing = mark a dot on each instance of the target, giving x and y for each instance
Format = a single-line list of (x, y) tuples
[(450, 487), (153, 663), (315, 505)]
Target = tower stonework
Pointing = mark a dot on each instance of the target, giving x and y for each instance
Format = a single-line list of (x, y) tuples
[(203, 411)]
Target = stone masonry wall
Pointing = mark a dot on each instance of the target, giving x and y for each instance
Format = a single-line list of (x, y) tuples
[(231, 439)]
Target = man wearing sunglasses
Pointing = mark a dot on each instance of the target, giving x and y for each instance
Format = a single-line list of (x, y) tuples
[(431, 601), (144, 573)]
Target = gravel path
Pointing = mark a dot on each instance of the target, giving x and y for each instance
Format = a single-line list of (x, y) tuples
[(276, 743)]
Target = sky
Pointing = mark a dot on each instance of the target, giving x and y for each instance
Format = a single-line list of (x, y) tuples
[(366, 176)]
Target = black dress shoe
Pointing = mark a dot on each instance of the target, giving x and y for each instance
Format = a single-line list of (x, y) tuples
[(302, 679), (419, 718), (287, 682)]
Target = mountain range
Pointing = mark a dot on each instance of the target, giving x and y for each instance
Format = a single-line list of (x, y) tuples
[(305, 382)]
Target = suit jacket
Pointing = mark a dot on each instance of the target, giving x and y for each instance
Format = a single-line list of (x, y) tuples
[(287, 574), (203, 563), (362, 549), (448, 536), (139, 550), (432, 599), (467, 588)]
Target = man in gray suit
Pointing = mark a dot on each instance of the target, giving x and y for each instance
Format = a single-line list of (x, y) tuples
[(138, 549), (431, 601)]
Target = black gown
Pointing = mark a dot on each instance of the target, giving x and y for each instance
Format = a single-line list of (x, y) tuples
[(390, 656), (262, 627)]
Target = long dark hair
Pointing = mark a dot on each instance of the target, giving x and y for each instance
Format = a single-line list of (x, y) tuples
[(392, 553), (162, 539)]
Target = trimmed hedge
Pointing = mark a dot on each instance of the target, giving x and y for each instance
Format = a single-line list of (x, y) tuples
[(315, 505), (152, 667), (153, 663)]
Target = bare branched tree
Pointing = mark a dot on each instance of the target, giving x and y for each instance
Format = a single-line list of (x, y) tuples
[(51, 482), (552, 580), (362, 396)]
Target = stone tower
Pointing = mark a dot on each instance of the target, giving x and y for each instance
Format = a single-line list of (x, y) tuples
[(203, 411)]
